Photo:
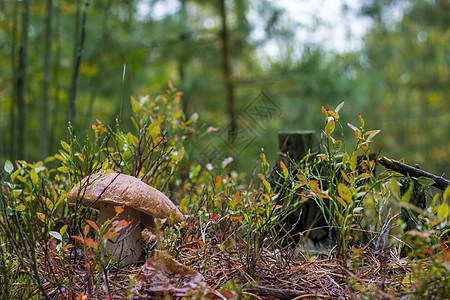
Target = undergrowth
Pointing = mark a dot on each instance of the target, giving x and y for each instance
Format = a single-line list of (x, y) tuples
[(50, 249)]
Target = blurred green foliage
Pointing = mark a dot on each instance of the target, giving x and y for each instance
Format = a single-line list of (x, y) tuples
[(398, 80)]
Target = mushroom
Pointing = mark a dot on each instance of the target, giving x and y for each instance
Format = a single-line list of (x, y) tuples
[(142, 203)]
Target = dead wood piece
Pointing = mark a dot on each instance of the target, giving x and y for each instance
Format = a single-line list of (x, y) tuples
[(439, 182)]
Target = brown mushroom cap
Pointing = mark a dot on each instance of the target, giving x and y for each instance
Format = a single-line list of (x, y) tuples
[(119, 189)]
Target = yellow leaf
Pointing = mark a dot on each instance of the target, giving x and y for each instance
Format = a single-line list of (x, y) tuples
[(235, 200), (345, 193), (363, 124), (443, 211), (34, 177), (265, 183), (329, 128), (184, 204), (180, 154), (342, 202), (135, 105), (285, 170), (332, 113), (363, 175), (20, 207), (347, 178), (41, 216), (218, 182), (353, 161), (65, 146), (299, 185), (446, 193), (64, 169), (324, 112), (63, 230)]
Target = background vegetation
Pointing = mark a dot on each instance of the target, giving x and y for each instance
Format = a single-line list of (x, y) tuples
[(209, 141), (215, 52)]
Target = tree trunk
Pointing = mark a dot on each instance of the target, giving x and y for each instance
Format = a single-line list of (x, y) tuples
[(182, 59), (44, 139), (78, 54), (229, 90), (98, 79), (13, 108), (21, 79), (57, 62)]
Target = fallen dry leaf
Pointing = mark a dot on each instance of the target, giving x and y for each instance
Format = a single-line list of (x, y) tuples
[(162, 274)]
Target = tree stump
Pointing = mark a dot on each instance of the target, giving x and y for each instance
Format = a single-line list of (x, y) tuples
[(294, 146)]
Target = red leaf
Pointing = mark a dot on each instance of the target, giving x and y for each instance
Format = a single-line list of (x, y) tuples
[(93, 225), (118, 209)]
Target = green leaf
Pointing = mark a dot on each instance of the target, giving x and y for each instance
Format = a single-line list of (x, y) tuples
[(394, 188), (9, 167), (56, 235), (337, 145), (425, 181), (184, 204), (443, 211), (20, 207), (63, 230), (345, 159), (407, 196), (329, 128)]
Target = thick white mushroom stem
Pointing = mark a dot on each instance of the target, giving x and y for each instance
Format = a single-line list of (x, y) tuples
[(127, 246)]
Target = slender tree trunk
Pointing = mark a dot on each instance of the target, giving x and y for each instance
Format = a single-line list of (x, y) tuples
[(97, 80), (44, 139), (13, 108), (21, 79), (78, 55), (229, 89), (183, 58), (55, 110)]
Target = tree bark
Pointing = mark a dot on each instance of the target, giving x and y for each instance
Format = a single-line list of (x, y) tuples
[(44, 139), (21, 79), (229, 89)]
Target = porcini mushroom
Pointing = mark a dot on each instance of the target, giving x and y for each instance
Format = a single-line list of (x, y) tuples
[(142, 203)]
